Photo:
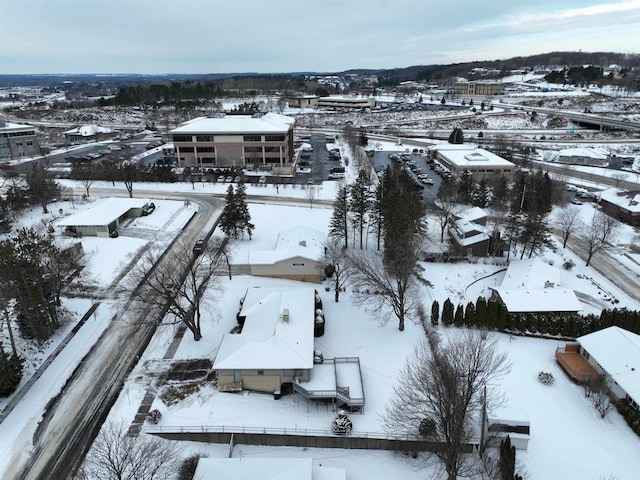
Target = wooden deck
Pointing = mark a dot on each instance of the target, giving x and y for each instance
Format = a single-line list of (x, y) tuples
[(576, 366)]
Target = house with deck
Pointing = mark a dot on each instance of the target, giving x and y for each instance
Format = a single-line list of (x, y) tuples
[(611, 355), (273, 349)]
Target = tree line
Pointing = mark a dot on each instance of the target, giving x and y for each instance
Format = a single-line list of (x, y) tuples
[(493, 315)]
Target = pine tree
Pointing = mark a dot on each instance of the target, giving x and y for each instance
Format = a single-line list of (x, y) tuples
[(242, 210), (339, 225), (376, 213), (10, 372), (458, 319), (507, 462), (435, 312), (360, 202), (229, 217), (447, 312), (470, 315), (481, 312)]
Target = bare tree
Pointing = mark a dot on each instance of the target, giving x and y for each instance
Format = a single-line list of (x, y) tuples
[(618, 177), (442, 210), (311, 193), (568, 221), (598, 233), (177, 287), (42, 188), (128, 173), (335, 258), (118, 456), (379, 285), (440, 390)]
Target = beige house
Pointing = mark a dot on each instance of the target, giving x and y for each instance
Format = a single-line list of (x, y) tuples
[(297, 256), (275, 345)]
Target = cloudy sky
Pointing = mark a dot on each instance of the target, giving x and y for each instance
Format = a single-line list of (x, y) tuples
[(216, 36)]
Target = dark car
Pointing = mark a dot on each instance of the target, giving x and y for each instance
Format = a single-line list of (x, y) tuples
[(198, 248)]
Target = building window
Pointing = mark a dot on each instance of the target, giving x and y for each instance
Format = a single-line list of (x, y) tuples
[(252, 149), (204, 138), (272, 149), (274, 138), (252, 138), (206, 149), (182, 138), (186, 149), (260, 372), (298, 264)]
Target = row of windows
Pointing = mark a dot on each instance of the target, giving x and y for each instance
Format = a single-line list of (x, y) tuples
[(246, 138), (18, 134)]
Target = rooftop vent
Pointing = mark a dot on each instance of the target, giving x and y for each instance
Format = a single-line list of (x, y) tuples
[(285, 315), (303, 243)]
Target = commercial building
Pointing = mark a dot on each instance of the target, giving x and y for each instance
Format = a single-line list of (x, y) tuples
[(620, 204), (478, 88), (462, 158), (18, 141), (261, 142), (593, 157), (89, 133)]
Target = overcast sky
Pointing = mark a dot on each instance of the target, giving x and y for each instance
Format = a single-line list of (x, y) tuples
[(218, 36)]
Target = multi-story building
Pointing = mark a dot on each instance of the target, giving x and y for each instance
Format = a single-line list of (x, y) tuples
[(261, 141), (478, 88), (18, 141)]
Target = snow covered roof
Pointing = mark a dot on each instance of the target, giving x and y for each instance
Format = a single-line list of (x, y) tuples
[(470, 157), (265, 469), (103, 213), (586, 152), (88, 130), (300, 241), (473, 214), (236, 124), (628, 200), (268, 341), (533, 286), (617, 351)]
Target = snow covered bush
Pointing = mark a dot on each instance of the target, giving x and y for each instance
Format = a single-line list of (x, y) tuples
[(341, 424), (154, 416), (546, 378)]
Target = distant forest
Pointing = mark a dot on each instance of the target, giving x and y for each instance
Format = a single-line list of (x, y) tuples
[(126, 90)]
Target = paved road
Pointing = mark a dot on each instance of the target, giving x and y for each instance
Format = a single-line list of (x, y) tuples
[(75, 417)]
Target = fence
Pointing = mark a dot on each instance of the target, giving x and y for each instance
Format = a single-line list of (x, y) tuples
[(295, 437)]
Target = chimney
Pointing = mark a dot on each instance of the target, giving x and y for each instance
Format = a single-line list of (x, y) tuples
[(303, 243), (285, 315)]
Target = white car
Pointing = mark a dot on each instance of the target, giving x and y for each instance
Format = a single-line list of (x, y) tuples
[(262, 179)]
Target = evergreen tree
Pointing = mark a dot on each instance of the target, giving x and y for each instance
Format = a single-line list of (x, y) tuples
[(435, 312), (376, 212), (229, 217), (360, 202), (470, 315), (456, 137), (481, 312), (507, 461), (339, 225), (242, 210), (10, 372), (458, 319), (447, 312)]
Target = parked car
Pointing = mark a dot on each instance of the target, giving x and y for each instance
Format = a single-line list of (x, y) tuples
[(229, 179), (263, 179), (576, 201), (198, 248), (221, 179)]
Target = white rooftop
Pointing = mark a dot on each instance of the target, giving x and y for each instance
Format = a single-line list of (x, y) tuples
[(268, 341), (103, 213), (618, 353), (473, 214), (300, 241), (533, 286), (265, 469), (468, 158), (587, 152), (628, 200), (235, 124), (88, 130)]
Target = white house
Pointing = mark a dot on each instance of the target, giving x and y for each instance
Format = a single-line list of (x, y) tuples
[(265, 469), (615, 353), (297, 256), (276, 343), (534, 286)]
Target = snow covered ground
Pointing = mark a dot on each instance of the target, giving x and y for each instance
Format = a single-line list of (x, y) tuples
[(568, 438)]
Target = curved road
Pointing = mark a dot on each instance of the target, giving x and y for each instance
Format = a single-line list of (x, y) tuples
[(76, 415)]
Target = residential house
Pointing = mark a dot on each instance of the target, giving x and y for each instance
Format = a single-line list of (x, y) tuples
[(469, 234), (533, 286), (611, 354), (297, 256), (265, 469)]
